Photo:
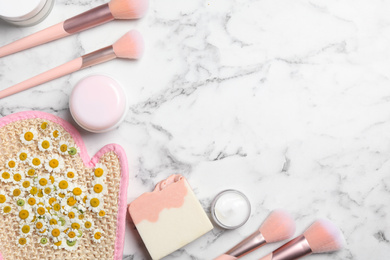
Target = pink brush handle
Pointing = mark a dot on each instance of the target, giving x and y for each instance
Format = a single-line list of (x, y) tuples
[(57, 72), (50, 34), (225, 257)]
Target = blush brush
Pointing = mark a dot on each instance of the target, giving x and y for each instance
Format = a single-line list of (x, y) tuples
[(115, 9), (321, 237), (129, 46), (278, 226)]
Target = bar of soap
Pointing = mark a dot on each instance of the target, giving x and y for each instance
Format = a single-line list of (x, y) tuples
[(170, 217)]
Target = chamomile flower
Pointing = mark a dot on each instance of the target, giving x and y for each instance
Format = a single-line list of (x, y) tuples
[(43, 241), (73, 150), (26, 184), (16, 192), (11, 164), (31, 172), (71, 174), (42, 211), (25, 229), (51, 201), (73, 213), (54, 164), (99, 187), (22, 241), (44, 126), (100, 171), (56, 208), (45, 145), (40, 224), (21, 202), (55, 232), (101, 213), (32, 200), (17, 177), (28, 136), (97, 235), (23, 156), (71, 245), (69, 202), (63, 147), (88, 224), (63, 185), (76, 224), (59, 244), (94, 203), (55, 134), (43, 181), (3, 197), (6, 176), (72, 234), (36, 162), (5, 208), (53, 220), (78, 192), (25, 214), (33, 191)]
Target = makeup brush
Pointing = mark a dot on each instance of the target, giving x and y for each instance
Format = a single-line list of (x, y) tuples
[(129, 46), (279, 225), (115, 9), (321, 237)]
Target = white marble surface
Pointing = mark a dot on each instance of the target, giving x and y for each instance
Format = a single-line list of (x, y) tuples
[(286, 101)]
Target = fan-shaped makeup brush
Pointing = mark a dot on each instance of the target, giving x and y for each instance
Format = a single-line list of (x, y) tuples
[(129, 46), (279, 225), (321, 237), (115, 9)]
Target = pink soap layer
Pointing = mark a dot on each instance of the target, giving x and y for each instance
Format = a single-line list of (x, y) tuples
[(168, 194), (98, 103)]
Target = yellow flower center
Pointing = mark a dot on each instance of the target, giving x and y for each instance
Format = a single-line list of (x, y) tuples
[(71, 234), (63, 184), (45, 144), (71, 201), (31, 201), (70, 175), (5, 175), (22, 241), (98, 188), (11, 164), (58, 243), (81, 216), (26, 229), (102, 213), (77, 191), (31, 172), (56, 133), (55, 232), (95, 202), (39, 225), (22, 156), (43, 182), (44, 125), (99, 172), (47, 190), (40, 193), (26, 184), (7, 209), (16, 192), (17, 177), (53, 221), (75, 225), (54, 163), (51, 179), (23, 214), (62, 195), (2, 198), (36, 161), (33, 191), (52, 200), (41, 211), (57, 207), (64, 148), (88, 224), (28, 136), (71, 215), (97, 235)]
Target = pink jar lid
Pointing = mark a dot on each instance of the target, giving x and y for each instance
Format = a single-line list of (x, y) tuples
[(98, 103)]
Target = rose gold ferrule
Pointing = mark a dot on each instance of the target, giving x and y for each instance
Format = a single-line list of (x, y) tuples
[(249, 244), (295, 249), (99, 56), (88, 19)]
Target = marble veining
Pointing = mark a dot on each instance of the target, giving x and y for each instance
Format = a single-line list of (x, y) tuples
[(286, 101)]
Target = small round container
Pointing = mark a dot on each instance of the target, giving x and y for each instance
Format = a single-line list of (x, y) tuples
[(230, 209), (25, 12), (98, 103)]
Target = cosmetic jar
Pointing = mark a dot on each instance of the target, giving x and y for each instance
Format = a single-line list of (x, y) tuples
[(230, 209), (25, 12), (98, 103)]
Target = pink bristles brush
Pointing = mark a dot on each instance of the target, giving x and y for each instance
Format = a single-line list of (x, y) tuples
[(278, 226), (129, 46), (115, 9), (321, 237)]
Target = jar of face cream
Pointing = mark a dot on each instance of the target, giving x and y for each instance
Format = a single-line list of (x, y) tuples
[(25, 12), (230, 209)]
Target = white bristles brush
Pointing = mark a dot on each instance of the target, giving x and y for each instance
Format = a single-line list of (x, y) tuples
[(321, 237), (278, 226)]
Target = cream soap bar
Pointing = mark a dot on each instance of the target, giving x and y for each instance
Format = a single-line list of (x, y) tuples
[(169, 217)]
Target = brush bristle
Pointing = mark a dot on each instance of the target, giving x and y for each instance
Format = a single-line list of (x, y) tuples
[(129, 46), (128, 9), (278, 226), (324, 236)]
